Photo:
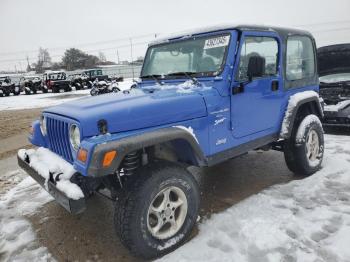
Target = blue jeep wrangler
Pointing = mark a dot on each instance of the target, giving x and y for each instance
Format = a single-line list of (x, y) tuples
[(202, 98)]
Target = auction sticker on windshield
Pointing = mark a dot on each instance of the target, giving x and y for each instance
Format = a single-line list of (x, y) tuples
[(216, 42)]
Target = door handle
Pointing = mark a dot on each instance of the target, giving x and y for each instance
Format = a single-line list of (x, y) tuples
[(238, 89), (274, 85)]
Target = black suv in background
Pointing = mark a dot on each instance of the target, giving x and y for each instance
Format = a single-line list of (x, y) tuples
[(56, 81)]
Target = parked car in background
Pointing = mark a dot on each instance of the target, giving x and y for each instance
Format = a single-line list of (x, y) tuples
[(7, 87), (80, 81), (94, 74), (334, 71), (57, 82), (32, 84)]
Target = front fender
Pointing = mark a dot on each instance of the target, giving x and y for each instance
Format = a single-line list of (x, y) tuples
[(130, 144)]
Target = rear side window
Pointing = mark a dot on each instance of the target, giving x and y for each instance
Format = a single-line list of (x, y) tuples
[(266, 47), (300, 58)]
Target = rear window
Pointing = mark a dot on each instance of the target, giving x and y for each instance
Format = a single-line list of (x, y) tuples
[(300, 58)]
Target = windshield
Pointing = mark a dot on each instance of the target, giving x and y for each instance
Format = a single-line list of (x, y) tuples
[(57, 76), (335, 78), (202, 56)]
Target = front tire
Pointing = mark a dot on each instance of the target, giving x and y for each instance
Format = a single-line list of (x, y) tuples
[(94, 92), (303, 151), (157, 212)]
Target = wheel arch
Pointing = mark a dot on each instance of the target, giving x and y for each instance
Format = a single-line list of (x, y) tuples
[(304, 107), (182, 143)]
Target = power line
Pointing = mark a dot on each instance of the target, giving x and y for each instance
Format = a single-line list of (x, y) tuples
[(145, 42), (141, 36), (87, 51), (324, 23), (81, 45), (331, 30)]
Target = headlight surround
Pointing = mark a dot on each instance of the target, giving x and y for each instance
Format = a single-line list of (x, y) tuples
[(74, 136), (43, 125)]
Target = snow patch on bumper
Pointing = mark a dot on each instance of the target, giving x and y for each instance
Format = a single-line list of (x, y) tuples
[(45, 162)]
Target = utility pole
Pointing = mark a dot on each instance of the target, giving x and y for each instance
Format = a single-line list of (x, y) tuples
[(28, 66), (132, 59), (118, 57)]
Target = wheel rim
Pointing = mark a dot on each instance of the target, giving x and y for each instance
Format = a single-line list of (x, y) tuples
[(312, 145), (167, 212)]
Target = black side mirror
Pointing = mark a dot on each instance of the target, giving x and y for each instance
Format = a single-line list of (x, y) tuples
[(256, 67)]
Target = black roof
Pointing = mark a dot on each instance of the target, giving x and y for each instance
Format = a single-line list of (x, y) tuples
[(282, 31)]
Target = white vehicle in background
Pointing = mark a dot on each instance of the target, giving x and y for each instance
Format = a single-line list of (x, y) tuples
[(104, 87)]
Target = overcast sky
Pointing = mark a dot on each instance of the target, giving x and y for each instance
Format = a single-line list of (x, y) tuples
[(107, 25)]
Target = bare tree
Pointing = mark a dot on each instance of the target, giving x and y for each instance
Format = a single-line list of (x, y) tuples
[(102, 57), (44, 60)]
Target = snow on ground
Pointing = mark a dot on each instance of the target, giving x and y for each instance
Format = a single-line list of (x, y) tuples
[(49, 99), (17, 238), (304, 220), (39, 100)]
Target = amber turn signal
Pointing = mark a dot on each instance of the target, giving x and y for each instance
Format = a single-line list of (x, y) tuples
[(82, 155), (108, 158)]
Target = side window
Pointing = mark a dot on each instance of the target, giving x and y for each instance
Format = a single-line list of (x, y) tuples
[(300, 58), (266, 47)]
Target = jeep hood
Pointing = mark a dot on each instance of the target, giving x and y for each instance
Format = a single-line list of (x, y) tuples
[(131, 111), (333, 59)]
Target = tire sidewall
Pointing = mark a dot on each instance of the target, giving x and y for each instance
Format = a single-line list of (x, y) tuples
[(302, 150), (151, 245)]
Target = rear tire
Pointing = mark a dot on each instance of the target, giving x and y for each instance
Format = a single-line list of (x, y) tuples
[(155, 197), (68, 89), (303, 151)]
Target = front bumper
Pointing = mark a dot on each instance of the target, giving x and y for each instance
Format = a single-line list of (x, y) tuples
[(337, 118), (71, 205)]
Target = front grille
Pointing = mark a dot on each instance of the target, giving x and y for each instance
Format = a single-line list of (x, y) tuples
[(57, 132)]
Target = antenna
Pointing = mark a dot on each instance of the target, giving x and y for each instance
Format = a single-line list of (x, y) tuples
[(132, 60)]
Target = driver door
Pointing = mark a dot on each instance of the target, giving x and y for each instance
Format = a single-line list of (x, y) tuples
[(256, 102)]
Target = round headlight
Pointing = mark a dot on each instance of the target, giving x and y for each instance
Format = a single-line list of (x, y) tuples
[(74, 136), (43, 125)]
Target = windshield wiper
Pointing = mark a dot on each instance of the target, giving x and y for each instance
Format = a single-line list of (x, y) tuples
[(187, 74), (154, 77)]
